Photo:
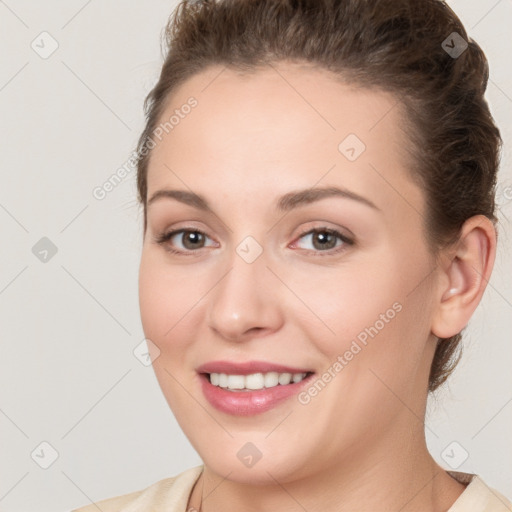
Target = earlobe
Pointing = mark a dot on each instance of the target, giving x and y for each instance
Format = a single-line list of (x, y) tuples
[(464, 276)]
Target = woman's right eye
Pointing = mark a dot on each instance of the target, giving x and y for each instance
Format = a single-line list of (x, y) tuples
[(191, 240)]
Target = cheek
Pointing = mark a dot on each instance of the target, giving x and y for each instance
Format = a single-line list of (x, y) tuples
[(173, 303), (165, 308), (348, 300), (166, 293), (153, 301), (164, 301), (380, 329), (373, 312)]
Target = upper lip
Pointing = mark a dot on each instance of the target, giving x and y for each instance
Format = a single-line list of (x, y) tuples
[(247, 367)]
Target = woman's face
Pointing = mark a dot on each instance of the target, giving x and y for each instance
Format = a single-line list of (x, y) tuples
[(261, 290)]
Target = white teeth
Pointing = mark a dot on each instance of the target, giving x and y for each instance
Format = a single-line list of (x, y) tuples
[(297, 377), (236, 382), (285, 378), (254, 381), (271, 379)]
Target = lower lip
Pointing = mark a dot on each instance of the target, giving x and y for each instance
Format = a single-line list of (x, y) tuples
[(248, 403)]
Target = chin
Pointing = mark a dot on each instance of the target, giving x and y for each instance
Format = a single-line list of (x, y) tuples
[(261, 473), (241, 462)]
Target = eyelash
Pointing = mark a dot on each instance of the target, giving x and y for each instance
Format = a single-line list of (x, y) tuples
[(163, 238)]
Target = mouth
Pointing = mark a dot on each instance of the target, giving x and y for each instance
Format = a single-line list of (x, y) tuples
[(245, 389)]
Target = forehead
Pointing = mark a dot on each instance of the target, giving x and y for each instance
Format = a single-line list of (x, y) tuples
[(281, 125)]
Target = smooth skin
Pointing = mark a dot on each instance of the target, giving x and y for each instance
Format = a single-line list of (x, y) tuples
[(359, 444)]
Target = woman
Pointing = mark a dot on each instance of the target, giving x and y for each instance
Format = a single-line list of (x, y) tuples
[(317, 179)]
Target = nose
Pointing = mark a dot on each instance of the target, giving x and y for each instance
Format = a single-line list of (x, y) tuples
[(245, 302)]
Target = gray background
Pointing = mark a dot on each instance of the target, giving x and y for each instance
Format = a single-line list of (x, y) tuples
[(69, 325)]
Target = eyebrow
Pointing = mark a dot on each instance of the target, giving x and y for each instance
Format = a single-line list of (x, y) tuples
[(285, 203)]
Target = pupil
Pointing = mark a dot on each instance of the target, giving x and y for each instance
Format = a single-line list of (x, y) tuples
[(192, 235), (324, 239)]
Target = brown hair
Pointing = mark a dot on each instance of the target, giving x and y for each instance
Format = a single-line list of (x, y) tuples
[(406, 47)]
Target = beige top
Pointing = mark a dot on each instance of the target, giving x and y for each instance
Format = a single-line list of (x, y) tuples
[(172, 494)]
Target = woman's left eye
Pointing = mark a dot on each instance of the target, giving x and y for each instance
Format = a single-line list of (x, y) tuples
[(324, 240)]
